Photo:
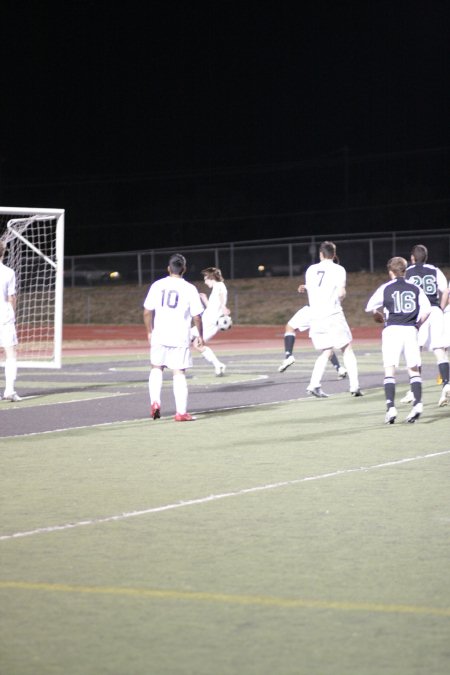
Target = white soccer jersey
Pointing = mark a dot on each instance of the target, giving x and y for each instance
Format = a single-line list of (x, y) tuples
[(323, 282), (7, 289), (174, 302), (216, 300)]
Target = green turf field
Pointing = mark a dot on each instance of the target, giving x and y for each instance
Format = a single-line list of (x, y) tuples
[(303, 537)]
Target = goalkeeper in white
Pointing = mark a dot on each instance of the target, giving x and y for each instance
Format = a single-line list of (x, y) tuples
[(215, 306), (8, 335)]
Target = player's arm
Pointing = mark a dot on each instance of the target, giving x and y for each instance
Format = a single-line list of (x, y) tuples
[(223, 307), (148, 316), (375, 305), (445, 295), (342, 292), (12, 302), (424, 309), (198, 323)]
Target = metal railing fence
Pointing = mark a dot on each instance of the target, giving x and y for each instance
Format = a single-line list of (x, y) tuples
[(265, 257)]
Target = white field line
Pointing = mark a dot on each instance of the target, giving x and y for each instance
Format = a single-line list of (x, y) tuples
[(72, 400), (142, 419), (217, 497)]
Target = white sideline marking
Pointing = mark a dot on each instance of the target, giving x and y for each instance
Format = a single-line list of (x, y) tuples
[(72, 400), (142, 419), (213, 498)]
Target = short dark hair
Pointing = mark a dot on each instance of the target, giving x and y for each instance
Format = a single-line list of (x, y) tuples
[(420, 253), (328, 249), (177, 263)]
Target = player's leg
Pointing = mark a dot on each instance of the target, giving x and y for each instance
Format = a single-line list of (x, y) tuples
[(289, 342), (180, 360), (208, 332), (413, 363), (389, 394), (391, 348), (438, 344), (424, 340), (341, 337), (155, 381), (180, 392), (341, 371), (314, 387), (208, 355), (299, 322), (10, 393), (351, 365), (444, 375)]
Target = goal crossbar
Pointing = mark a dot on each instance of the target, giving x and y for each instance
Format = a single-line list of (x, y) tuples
[(34, 241)]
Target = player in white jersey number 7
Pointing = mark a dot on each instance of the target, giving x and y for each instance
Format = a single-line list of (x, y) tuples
[(325, 283)]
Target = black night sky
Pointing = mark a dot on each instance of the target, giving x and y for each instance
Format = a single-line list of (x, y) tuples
[(175, 123)]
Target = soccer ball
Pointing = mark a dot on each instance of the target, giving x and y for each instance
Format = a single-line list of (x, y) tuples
[(224, 322)]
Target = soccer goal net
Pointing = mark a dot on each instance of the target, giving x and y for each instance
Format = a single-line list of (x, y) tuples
[(34, 241)]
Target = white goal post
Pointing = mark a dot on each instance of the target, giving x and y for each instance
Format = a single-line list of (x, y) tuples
[(34, 241)]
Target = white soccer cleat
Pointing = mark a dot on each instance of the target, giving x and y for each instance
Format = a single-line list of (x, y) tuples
[(408, 397), (390, 416), (220, 369), (14, 397), (415, 413), (445, 395), (342, 373), (317, 392), (288, 361)]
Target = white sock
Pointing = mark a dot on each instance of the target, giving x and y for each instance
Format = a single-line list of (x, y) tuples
[(180, 392), (154, 385), (10, 375), (351, 364), (209, 355), (318, 370)]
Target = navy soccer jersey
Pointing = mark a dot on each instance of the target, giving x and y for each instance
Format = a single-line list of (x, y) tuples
[(401, 301), (429, 278)]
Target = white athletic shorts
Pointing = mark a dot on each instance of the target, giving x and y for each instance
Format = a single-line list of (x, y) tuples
[(175, 358), (431, 333), (302, 319), (332, 332), (398, 340), (209, 330)]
